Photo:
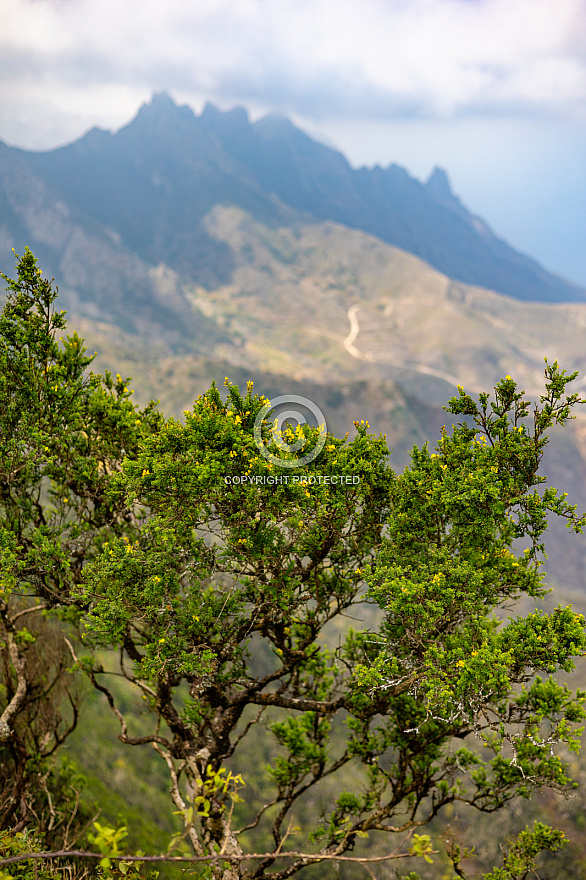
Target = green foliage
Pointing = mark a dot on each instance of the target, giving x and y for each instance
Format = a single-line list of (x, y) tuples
[(63, 434), (15, 843), (447, 562), (422, 847), (218, 598), (519, 860), (108, 841)]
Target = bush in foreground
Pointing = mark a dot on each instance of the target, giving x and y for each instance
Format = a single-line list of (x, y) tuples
[(227, 604)]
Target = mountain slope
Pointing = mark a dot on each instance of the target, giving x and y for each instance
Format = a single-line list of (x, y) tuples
[(424, 219), (319, 300), (154, 180), (97, 274)]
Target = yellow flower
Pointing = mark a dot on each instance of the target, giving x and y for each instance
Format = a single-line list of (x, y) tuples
[(460, 663)]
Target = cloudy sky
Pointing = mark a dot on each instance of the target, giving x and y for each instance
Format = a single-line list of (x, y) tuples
[(494, 91)]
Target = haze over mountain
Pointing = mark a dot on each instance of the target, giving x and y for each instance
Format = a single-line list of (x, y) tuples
[(187, 248), (153, 182)]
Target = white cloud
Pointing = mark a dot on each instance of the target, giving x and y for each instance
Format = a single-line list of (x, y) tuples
[(368, 58)]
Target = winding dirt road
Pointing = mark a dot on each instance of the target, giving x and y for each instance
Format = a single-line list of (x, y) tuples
[(407, 365)]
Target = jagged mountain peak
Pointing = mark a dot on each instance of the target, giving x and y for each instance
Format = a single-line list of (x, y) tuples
[(212, 114), (163, 108), (155, 180), (438, 183), (161, 115), (233, 125), (439, 188), (161, 101)]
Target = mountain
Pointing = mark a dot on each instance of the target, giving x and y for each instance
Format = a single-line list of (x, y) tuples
[(188, 248), (153, 182)]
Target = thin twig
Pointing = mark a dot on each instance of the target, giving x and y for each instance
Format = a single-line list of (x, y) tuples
[(213, 857)]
